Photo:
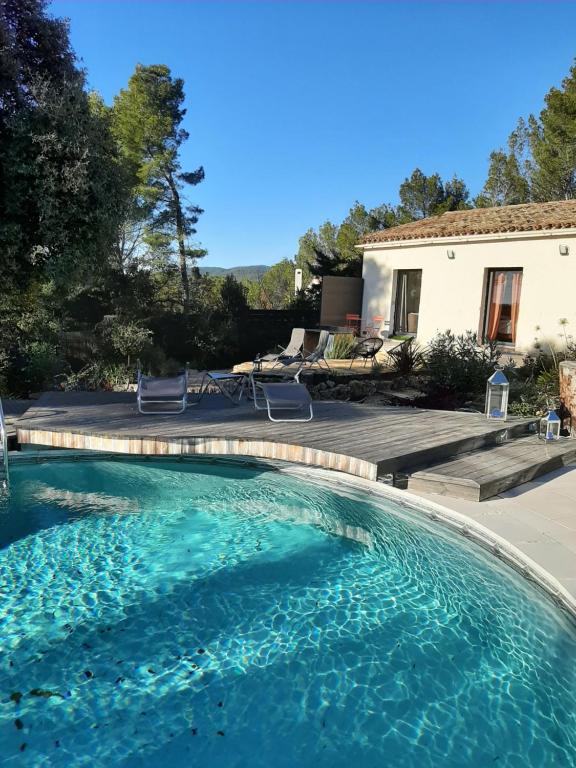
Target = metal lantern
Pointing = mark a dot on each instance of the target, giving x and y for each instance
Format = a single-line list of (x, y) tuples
[(550, 426), (497, 396)]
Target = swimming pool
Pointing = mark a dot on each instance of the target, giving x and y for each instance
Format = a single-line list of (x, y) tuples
[(211, 614)]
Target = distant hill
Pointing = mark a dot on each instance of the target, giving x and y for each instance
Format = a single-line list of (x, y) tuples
[(240, 273)]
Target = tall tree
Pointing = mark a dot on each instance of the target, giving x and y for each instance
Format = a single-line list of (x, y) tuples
[(422, 196), (553, 143), (508, 181), (456, 196), (332, 249), (540, 163), (61, 195), (147, 123), (276, 288)]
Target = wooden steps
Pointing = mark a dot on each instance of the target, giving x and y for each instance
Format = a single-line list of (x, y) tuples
[(483, 473)]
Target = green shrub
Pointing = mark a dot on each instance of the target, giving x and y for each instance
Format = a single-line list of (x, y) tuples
[(40, 365), (124, 338), (406, 357), (535, 397), (459, 366), (99, 375), (342, 347)]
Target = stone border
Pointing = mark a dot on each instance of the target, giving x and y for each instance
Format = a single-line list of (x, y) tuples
[(490, 542), (201, 446)]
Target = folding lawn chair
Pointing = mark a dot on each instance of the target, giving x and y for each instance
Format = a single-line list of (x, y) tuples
[(165, 390), (293, 350)]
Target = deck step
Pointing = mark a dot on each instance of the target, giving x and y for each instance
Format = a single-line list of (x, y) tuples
[(480, 474), (425, 454)]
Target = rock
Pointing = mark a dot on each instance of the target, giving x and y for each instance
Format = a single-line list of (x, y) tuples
[(360, 389), (407, 396), (340, 392)]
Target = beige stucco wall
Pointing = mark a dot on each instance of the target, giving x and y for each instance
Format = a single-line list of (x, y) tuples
[(452, 295)]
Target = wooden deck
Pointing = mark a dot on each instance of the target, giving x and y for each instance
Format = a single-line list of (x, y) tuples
[(490, 471), (362, 440)]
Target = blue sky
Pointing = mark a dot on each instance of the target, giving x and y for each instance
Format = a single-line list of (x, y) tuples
[(297, 109)]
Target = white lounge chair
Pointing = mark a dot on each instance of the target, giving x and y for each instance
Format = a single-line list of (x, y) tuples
[(167, 390), (282, 396), (292, 351), (316, 357)]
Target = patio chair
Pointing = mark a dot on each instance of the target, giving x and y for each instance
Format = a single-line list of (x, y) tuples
[(353, 322), (316, 357), (293, 349), (283, 396), (368, 349), (373, 330), (165, 390)]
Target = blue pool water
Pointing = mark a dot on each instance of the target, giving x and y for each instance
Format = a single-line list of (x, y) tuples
[(180, 615)]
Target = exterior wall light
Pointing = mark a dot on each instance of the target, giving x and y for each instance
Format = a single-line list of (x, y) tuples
[(564, 250), (451, 254)]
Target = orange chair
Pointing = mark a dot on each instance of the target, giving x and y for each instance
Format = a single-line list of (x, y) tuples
[(376, 327), (353, 323)]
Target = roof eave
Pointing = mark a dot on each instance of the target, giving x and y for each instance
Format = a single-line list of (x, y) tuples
[(531, 234)]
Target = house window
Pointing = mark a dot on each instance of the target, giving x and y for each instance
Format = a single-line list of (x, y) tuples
[(408, 284), (502, 305)]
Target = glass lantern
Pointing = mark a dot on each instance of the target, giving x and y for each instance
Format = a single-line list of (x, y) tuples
[(550, 426), (497, 396)]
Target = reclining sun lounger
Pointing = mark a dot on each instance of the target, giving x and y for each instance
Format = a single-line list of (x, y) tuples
[(316, 357), (283, 396), (168, 390), (293, 350)]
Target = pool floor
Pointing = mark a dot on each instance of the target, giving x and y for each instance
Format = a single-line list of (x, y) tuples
[(159, 614)]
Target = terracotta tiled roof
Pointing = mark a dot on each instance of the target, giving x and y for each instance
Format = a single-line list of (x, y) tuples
[(484, 221)]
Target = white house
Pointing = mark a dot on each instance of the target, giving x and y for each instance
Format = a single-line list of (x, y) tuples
[(508, 273)]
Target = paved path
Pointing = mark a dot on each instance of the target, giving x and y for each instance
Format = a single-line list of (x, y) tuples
[(539, 518)]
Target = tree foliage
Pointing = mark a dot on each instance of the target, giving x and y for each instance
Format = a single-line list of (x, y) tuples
[(147, 118), (422, 196), (332, 249), (62, 200), (540, 161), (275, 290), (553, 144)]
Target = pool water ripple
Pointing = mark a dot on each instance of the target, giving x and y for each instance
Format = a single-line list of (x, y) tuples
[(158, 613)]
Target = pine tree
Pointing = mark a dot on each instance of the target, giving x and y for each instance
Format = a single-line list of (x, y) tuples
[(147, 124), (553, 144), (422, 196)]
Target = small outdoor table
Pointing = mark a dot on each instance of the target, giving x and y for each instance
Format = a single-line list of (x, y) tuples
[(231, 385)]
